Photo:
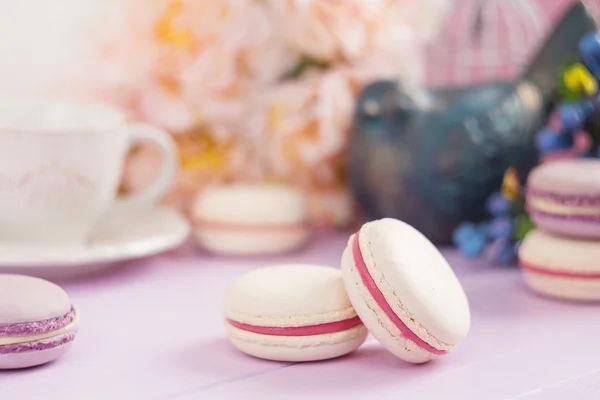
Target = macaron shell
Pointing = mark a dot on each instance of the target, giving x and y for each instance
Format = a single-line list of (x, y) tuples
[(378, 323), (30, 299), (249, 243), (298, 349), (33, 358), (564, 288), (252, 204), (416, 280), (566, 226), (288, 295), (561, 255), (251, 219), (568, 177)]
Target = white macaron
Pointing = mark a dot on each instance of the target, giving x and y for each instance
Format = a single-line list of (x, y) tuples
[(251, 219), (292, 313), (404, 291), (560, 266)]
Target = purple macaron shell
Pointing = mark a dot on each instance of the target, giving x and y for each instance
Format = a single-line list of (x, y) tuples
[(586, 227), (25, 355), (25, 299)]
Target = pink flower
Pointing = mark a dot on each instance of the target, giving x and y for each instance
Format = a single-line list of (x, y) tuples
[(308, 120), (212, 73), (350, 30)]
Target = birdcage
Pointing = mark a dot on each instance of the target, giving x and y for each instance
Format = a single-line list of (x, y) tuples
[(486, 40)]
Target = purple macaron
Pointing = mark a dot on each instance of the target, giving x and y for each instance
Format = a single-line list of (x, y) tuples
[(37, 321), (563, 197)]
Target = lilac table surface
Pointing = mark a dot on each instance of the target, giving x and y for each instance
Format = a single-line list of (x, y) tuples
[(152, 329)]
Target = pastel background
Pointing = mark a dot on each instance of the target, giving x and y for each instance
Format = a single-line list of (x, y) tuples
[(42, 43), (231, 125)]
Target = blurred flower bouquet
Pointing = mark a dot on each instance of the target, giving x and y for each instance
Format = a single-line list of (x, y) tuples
[(573, 130), (255, 89), (498, 237)]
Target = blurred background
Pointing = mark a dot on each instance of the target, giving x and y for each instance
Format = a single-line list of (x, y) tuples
[(43, 42), (260, 90)]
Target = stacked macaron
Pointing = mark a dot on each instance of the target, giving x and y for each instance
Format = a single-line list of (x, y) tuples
[(560, 258), (393, 282)]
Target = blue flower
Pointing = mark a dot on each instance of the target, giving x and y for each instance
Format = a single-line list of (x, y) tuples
[(548, 141), (497, 205), (463, 232), (473, 246), (502, 251), (572, 117), (501, 228)]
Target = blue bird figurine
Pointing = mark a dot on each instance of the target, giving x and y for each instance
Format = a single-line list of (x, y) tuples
[(589, 49), (433, 157)]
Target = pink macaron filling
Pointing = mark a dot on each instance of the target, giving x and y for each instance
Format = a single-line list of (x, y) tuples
[(525, 266), (379, 298), (320, 329), (37, 327)]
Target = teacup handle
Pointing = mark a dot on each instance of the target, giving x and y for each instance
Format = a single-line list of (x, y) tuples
[(152, 194)]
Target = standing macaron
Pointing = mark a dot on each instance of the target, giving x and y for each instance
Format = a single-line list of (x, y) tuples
[(563, 197), (292, 313), (37, 321), (251, 219), (561, 267), (404, 291)]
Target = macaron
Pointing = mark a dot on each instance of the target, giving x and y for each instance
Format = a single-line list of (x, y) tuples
[(561, 267), (563, 197), (404, 291), (292, 313), (37, 321), (251, 219)]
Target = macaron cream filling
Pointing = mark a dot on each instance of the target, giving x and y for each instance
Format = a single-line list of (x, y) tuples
[(39, 330), (380, 299), (310, 330), (552, 207)]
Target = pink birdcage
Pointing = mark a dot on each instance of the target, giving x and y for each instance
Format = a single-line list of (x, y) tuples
[(485, 40)]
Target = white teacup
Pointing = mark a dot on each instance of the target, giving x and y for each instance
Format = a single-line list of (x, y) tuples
[(60, 168)]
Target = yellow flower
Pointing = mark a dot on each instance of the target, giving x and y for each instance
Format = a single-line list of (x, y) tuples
[(199, 150), (511, 188), (166, 31), (579, 79), (276, 114)]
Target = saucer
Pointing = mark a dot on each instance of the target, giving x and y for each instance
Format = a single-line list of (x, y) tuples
[(139, 234)]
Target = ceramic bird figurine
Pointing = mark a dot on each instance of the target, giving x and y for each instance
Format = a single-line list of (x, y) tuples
[(433, 157)]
